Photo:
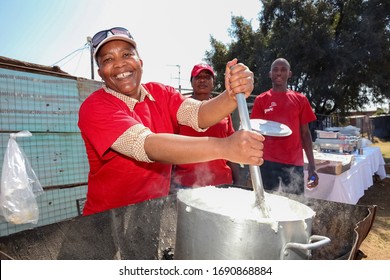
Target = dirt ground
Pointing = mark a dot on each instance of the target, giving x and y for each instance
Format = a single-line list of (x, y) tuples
[(376, 246)]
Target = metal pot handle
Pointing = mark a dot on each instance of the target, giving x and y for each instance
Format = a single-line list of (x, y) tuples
[(319, 241)]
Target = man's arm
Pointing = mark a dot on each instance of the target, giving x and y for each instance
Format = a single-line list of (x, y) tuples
[(307, 145)]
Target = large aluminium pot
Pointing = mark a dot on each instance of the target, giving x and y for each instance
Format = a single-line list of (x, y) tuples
[(223, 223)]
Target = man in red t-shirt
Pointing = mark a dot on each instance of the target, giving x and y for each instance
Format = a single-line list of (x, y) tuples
[(210, 173), (283, 156), (128, 127)]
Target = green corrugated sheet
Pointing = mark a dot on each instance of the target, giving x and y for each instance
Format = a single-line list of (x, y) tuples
[(38, 102)]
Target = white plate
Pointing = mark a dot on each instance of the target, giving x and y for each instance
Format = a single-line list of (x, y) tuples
[(270, 128)]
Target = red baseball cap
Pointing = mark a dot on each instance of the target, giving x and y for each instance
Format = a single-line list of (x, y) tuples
[(200, 67)]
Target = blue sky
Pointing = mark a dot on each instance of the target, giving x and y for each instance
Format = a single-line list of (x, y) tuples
[(168, 32)]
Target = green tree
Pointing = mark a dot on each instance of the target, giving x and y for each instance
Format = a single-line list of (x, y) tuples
[(339, 50)]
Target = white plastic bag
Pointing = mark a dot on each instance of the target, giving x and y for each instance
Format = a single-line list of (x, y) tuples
[(19, 185)]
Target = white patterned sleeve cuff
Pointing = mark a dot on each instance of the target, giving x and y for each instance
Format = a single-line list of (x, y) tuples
[(132, 143), (188, 114)]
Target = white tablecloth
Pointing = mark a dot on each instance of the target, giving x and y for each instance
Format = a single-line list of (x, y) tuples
[(349, 186)]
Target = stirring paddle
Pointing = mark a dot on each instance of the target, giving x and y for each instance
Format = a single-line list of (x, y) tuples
[(254, 170)]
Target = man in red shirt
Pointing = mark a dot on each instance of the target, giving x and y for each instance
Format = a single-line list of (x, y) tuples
[(283, 156), (128, 127), (210, 173)]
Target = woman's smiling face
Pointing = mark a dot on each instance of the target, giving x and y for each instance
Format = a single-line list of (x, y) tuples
[(120, 67)]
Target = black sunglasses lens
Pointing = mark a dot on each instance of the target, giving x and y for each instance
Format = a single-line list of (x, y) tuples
[(100, 36), (120, 30)]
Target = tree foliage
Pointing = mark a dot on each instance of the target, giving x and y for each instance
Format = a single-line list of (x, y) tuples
[(339, 50)]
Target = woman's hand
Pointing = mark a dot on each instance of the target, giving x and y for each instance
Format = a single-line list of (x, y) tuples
[(244, 147), (238, 79)]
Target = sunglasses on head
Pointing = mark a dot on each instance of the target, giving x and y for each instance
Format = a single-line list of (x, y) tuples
[(101, 35)]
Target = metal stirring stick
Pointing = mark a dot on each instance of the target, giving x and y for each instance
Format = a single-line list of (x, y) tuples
[(254, 170)]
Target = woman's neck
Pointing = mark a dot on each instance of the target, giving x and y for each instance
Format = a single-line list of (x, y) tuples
[(201, 97)]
